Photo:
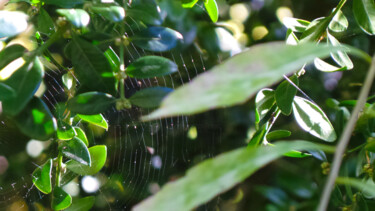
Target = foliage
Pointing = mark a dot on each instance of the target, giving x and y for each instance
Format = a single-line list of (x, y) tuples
[(93, 40)]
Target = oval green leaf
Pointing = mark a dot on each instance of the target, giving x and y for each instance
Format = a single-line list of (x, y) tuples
[(264, 102), (81, 135), (78, 17), (91, 103), (212, 9), (6, 92), (60, 199), (284, 95), (364, 13), (188, 3), (296, 25), (278, 134), (65, 131), (313, 120), (157, 39), (36, 121), (214, 176), (10, 54), (149, 97), (76, 149), (151, 66), (96, 119), (98, 156), (42, 177), (12, 23), (111, 13), (82, 204), (339, 23)]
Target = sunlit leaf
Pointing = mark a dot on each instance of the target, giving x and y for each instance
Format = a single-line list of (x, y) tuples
[(65, 131), (188, 3), (113, 59), (60, 199), (12, 23), (11, 53), (339, 57), (36, 120), (243, 74), (296, 25), (151, 66), (78, 17), (82, 204), (339, 23), (76, 149), (216, 175), (97, 120), (212, 9), (313, 120), (98, 156), (111, 13), (42, 177), (284, 94), (157, 39), (67, 80), (367, 187), (91, 103), (147, 13), (45, 23), (326, 67), (149, 97), (81, 135), (364, 13), (278, 134)]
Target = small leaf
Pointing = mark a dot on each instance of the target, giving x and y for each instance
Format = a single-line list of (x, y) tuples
[(341, 58), (284, 95), (91, 103), (149, 97), (339, 23), (12, 23), (313, 120), (157, 39), (113, 59), (326, 67), (147, 13), (11, 53), (278, 134), (296, 25), (97, 120), (65, 131), (76, 149), (82, 204), (36, 121), (264, 102), (64, 3), (6, 92), (60, 199), (258, 136), (294, 153), (188, 3), (212, 9), (42, 177), (214, 176), (81, 135), (78, 17), (364, 13), (111, 13), (151, 66), (45, 23), (67, 80), (98, 156)]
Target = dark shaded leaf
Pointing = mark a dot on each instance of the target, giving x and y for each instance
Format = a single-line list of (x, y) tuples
[(82, 204), (98, 156), (284, 95), (189, 3), (45, 23), (90, 103), (60, 199), (42, 177), (339, 23), (296, 25), (151, 66), (149, 97), (278, 134), (76, 149)]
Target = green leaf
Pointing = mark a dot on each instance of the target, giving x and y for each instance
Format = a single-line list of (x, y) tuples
[(313, 120), (97, 120), (67, 80), (367, 187), (258, 136), (91, 103), (293, 153), (149, 97), (157, 39), (60, 199), (214, 176), (9, 54), (12, 23), (341, 58), (364, 13), (113, 59), (64, 3), (188, 3), (284, 95), (326, 67), (339, 23), (111, 13), (212, 9), (76, 149), (78, 17), (42, 177), (239, 78), (81, 135), (147, 13), (291, 38), (278, 134), (25, 81), (90, 65), (82, 204), (6, 92), (296, 25), (65, 131), (315, 30), (98, 156), (45, 23), (151, 66), (36, 121), (264, 102)]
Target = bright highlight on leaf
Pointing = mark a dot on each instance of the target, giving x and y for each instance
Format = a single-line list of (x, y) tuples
[(12, 23), (78, 17), (42, 177), (212, 9)]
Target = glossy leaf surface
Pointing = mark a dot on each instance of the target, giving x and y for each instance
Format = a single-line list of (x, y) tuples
[(91, 103), (212, 9), (81, 135), (151, 66), (149, 97), (296, 25), (243, 74), (214, 176), (284, 94), (364, 13), (111, 13), (60, 199), (313, 120), (76, 149), (10, 54), (12, 23), (42, 177), (96, 119), (78, 17), (339, 23), (98, 156), (82, 204), (278, 134), (45, 23)]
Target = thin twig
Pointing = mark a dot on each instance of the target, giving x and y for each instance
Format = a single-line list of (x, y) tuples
[(345, 137)]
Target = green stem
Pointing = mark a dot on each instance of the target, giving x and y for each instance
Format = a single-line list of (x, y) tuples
[(58, 169), (345, 137), (122, 72)]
